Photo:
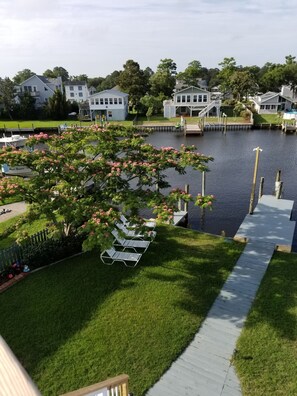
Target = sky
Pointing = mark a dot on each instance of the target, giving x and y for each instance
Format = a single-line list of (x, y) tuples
[(96, 37)]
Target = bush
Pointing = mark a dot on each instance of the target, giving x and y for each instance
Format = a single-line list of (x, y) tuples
[(51, 250)]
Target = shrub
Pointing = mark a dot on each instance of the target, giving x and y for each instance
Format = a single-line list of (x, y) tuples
[(51, 250)]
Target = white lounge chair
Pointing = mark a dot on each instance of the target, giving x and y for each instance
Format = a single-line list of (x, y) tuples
[(129, 243), (111, 255), (136, 235), (149, 223)]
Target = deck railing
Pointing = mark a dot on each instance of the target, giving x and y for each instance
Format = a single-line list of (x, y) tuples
[(116, 386)]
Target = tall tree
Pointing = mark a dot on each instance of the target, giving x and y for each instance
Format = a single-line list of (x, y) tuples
[(57, 107), (163, 81), (133, 81), (110, 81), (22, 75), (191, 74), (242, 84), (26, 108), (124, 170), (228, 67), (58, 71), (7, 95)]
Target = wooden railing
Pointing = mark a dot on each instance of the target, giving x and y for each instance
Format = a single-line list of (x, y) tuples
[(117, 386)]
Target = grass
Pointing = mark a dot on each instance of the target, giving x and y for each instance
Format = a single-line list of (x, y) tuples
[(32, 228), (267, 119), (267, 349), (80, 321)]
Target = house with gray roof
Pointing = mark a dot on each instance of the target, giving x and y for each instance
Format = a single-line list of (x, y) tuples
[(111, 105), (271, 103), (191, 101), (40, 87)]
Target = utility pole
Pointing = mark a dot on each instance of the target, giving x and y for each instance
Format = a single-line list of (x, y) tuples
[(257, 149)]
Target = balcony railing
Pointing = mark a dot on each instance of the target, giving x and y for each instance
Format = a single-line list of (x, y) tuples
[(117, 386)]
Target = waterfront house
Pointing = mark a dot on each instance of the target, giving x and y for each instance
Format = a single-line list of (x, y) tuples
[(76, 91), (40, 87), (271, 103), (191, 101), (111, 105)]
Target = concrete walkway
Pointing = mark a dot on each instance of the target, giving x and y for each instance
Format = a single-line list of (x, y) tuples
[(204, 368), (16, 209)]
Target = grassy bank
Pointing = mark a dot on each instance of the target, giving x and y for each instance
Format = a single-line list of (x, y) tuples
[(80, 321), (266, 360)]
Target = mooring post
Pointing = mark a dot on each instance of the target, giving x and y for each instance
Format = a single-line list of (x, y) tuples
[(203, 185), (261, 187), (280, 190), (257, 149), (278, 185), (186, 204)]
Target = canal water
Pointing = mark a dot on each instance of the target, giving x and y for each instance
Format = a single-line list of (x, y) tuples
[(231, 173)]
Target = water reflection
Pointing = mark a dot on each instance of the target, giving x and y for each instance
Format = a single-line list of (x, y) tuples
[(230, 179)]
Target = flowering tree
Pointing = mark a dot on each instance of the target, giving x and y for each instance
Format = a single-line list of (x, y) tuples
[(82, 177)]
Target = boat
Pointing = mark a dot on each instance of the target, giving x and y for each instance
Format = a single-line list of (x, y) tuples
[(18, 142)]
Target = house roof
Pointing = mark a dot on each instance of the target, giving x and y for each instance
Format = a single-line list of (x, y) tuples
[(110, 92), (268, 96), (75, 83), (47, 81), (191, 89)]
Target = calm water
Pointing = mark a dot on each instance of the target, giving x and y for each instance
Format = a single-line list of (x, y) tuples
[(231, 173)]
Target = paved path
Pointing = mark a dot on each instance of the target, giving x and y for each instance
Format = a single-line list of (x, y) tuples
[(16, 209), (204, 368)]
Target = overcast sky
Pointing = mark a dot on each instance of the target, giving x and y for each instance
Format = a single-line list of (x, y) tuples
[(96, 37)]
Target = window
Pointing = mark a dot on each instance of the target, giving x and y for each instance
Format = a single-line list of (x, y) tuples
[(204, 98), (183, 98), (106, 100), (267, 107), (71, 88), (101, 101), (92, 101), (200, 98), (115, 101), (110, 101), (120, 101), (80, 88), (195, 98), (97, 101), (178, 99), (262, 107), (71, 94), (80, 94), (188, 98), (273, 107), (45, 88)]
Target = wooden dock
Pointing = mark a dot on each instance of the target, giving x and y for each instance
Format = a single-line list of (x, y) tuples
[(192, 129), (270, 222)]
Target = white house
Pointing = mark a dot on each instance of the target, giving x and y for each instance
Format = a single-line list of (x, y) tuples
[(111, 104), (271, 103), (191, 101), (76, 91), (40, 87)]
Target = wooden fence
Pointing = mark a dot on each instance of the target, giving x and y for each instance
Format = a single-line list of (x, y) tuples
[(15, 252)]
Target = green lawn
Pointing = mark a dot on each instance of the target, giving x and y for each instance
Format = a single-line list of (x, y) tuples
[(80, 321), (267, 119), (32, 228), (267, 349)]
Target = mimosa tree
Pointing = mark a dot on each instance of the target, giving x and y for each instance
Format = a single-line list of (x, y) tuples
[(82, 178)]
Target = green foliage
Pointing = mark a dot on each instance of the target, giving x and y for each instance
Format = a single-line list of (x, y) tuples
[(57, 108), (58, 71), (51, 250), (7, 94), (121, 169), (191, 74), (22, 75), (163, 81)]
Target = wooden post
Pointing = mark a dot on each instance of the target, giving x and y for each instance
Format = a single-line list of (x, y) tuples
[(254, 179), (186, 204), (261, 187), (280, 190), (225, 125), (277, 177), (203, 184)]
